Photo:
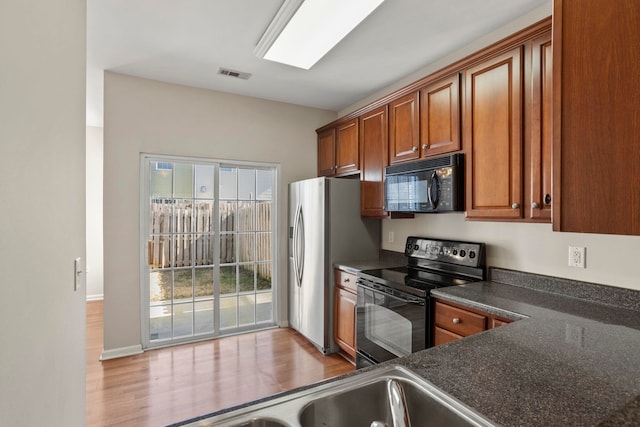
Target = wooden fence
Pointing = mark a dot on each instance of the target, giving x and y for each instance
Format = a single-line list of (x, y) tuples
[(186, 215)]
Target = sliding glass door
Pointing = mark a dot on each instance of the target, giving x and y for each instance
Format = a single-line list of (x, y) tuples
[(207, 248)]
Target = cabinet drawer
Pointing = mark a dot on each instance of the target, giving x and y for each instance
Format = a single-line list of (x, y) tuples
[(496, 323), (442, 336), (346, 280), (459, 321)]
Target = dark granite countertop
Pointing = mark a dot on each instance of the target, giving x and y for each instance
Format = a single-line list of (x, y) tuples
[(567, 362), (570, 358)]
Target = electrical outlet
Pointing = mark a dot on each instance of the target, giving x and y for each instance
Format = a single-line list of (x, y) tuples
[(577, 256), (391, 237)]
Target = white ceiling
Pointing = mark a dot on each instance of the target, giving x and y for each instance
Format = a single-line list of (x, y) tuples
[(186, 41)]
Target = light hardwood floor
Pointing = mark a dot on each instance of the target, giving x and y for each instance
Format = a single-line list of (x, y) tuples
[(164, 386)]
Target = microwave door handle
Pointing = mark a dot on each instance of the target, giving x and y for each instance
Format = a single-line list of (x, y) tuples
[(433, 192)]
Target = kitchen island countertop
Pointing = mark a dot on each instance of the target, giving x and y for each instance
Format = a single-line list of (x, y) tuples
[(568, 361), (571, 357)]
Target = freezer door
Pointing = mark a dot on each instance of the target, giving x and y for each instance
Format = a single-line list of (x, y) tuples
[(314, 295), (308, 290)]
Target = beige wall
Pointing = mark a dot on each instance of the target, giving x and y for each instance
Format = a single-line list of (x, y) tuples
[(528, 247), (94, 213), (153, 117), (42, 225), (611, 260)]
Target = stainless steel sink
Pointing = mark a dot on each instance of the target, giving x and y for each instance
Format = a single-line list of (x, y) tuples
[(392, 396), (261, 422)]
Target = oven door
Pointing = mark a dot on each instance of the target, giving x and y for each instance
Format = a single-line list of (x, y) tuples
[(389, 323)]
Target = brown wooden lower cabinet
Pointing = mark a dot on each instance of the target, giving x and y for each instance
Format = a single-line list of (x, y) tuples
[(442, 336), (344, 321), (453, 321)]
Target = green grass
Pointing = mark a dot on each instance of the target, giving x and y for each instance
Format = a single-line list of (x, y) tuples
[(204, 282)]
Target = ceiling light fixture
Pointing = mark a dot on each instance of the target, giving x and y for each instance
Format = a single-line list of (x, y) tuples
[(303, 31)]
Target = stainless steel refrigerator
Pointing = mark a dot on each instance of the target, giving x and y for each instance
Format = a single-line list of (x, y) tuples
[(324, 227)]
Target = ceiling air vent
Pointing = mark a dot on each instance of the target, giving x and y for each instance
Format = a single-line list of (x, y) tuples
[(233, 73)]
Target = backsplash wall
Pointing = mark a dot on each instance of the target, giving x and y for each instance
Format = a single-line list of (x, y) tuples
[(610, 259)]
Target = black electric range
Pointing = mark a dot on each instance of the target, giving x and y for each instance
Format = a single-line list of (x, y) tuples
[(394, 313)]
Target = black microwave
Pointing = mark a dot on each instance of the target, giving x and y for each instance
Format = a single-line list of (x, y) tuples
[(431, 185)]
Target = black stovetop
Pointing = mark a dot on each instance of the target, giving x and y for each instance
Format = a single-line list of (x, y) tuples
[(432, 264), (411, 279)]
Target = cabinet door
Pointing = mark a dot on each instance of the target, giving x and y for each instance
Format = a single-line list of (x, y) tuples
[(373, 155), (541, 132), (345, 321), (493, 132), (347, 153), (596, 121), (404, 131), (440, 117), (326, 152)]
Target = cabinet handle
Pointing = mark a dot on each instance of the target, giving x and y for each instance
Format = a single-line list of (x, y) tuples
[(346, 280), (547, 199), (424, 146), (515, 206), (456, 321), (414, 149), (534, 205)]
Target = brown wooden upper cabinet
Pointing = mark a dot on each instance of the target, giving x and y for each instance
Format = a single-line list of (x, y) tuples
[(373, 160), (508, 132), (539, 123), (493, 133), (404, 129), (327, 152), (338, 150), (440, 116), (347, 149), (596, 116), (496, 106)]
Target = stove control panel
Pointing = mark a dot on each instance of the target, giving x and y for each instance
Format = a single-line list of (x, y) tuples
[(452, 252)]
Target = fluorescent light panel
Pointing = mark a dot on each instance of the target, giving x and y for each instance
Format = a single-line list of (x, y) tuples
[(315, 28)]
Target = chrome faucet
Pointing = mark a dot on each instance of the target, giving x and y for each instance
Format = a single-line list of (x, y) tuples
[(398, 406)]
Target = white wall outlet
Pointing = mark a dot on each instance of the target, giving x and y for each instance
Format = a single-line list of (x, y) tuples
[(577, 256), (390, 238)]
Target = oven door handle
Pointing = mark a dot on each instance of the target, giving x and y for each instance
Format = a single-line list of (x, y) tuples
[(416, 301)]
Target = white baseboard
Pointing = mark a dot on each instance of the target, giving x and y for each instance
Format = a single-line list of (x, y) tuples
[(283, 324), (96, 297), (121, 352)]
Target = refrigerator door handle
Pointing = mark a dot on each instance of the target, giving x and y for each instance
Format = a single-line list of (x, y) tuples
[(294, 244), (300, 246)]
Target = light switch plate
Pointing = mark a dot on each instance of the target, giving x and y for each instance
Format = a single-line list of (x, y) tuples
[(77, 273)]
